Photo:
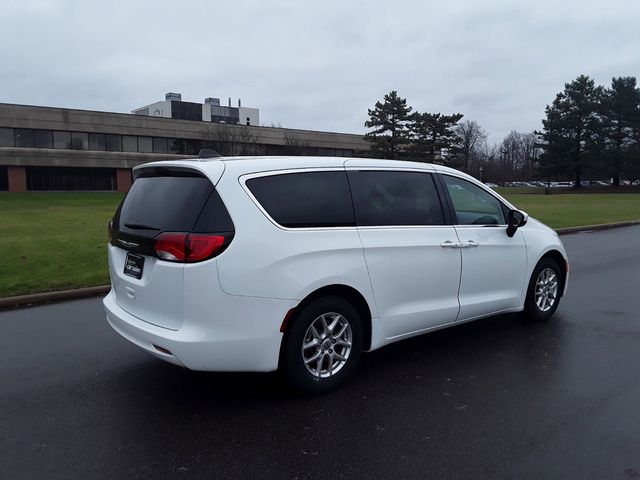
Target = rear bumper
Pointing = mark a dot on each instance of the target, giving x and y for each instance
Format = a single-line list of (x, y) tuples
[(247, 338)]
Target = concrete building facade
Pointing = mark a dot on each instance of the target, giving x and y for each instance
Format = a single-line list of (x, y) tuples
[(45, 148)]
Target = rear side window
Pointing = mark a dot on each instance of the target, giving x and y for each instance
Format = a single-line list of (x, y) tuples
[(395, 198), (310, 199), (172, 203)]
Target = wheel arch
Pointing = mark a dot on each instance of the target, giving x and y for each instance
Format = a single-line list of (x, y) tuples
[(562, 263), (350, 294)]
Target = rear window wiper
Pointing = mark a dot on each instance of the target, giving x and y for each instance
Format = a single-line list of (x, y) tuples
[(138, 226)]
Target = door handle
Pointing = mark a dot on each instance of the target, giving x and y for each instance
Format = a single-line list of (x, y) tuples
[(470, 244), (450, 244)]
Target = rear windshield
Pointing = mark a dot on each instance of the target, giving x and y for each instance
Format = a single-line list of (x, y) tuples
[(171, 203)]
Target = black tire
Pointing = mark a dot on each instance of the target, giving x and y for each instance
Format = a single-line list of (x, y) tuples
[(532, 311), (292, 362)]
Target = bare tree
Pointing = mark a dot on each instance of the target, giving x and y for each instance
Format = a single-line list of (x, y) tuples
[(225, 140), (470, 136), (248, 141), (233, 140), (294, 143), (518, 155)]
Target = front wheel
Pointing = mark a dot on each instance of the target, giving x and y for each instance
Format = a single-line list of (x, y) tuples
[(323, 347), (543, 295)]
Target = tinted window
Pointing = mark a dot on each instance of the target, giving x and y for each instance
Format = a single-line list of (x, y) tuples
[(145, 144), (24, 137), (175, 145), (159, 145), (191, 147), (395, 198), (113, 143), (43, 138), (70, 178), (4, 180), (163, 204), (62, 140), (214, 217), (472, 205), (313, 199), (96, 141), (6, 137), (129, 143), (79, 141)]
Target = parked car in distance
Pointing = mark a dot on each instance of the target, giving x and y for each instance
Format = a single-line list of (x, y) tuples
[(303, 263)]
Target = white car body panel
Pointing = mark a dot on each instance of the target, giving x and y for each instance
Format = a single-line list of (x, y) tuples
[(226, 313)]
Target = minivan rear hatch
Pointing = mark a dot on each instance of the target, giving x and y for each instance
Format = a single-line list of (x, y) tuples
[(146, 264)]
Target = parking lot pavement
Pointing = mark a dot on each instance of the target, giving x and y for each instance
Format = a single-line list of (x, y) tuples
[(497, 398)]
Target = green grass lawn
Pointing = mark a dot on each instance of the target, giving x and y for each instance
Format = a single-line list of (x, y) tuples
[(576, 210), (54, 241)]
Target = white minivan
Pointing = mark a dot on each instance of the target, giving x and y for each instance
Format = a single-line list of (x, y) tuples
[(302, 263)]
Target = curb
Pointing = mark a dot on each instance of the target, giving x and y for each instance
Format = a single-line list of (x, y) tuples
[(60, 295), (596, 228), (46, 297)]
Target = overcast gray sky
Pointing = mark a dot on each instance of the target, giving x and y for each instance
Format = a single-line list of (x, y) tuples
[(316, 65)]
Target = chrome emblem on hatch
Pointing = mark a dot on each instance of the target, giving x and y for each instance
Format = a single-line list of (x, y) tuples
[(128, 244)]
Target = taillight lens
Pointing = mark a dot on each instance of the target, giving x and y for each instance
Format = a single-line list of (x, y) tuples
[(202, 246), (188, 247), (172, 246)]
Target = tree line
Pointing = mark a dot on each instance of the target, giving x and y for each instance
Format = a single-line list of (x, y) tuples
[(590, 129), (589, 132)]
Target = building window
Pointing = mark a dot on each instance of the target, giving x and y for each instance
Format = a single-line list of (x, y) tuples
[(79, 141), (145, 144), (113, 143), (70, 178), (96, 141), (62, 140), (24, 137), (174, 145), (129, 143), (4, 177), (43, 138), (6, 137), (159, 145), (192, 147)]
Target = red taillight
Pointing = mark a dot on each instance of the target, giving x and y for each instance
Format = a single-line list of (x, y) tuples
[(172, 246), (188, 247), (202, 246)]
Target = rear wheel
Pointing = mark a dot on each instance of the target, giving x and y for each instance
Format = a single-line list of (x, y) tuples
[(323, 346), (544, 291)]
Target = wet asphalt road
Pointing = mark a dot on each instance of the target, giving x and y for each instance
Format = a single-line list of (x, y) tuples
[(498, 398)]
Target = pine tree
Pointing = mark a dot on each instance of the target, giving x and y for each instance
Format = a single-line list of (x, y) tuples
[(620, 112), (433, 135), (389, 119), (571, 134)]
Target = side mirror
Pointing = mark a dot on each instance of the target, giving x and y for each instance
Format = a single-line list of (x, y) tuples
[(515, 220)]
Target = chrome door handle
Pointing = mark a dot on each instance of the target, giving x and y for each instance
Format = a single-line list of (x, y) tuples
[(450, 244), (470, 244)]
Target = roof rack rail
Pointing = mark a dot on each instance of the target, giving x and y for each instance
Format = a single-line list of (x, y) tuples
[(208, 153)]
